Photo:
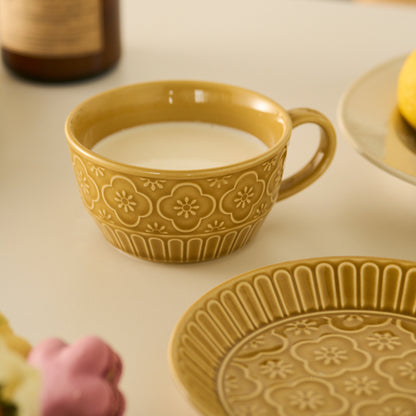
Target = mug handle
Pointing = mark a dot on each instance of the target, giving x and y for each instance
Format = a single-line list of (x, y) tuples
[(320, 160)]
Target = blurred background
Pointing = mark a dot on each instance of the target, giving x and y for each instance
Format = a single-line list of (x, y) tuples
[(398, 2)]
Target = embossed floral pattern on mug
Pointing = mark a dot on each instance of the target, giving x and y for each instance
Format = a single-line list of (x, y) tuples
[(96, 170), (186, 206), (182, 220), (153, 184), (223, 206), (127, 203), (132, 210), (88, 189), (277, 172), (239, 202)]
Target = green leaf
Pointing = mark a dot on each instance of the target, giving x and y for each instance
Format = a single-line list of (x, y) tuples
[(7, 409)]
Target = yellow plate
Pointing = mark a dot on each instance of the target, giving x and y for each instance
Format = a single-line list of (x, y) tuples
[(328, 337)]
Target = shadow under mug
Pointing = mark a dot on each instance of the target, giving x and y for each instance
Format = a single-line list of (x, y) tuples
[(189, 215)]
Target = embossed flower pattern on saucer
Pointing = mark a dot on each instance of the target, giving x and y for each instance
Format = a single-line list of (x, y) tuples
[(331, 336), (323, 363)]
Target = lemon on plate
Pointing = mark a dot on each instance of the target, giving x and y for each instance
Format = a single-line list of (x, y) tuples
[(406, 89)]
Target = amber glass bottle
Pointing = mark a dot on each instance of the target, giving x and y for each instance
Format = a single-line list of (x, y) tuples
[(59, 40)]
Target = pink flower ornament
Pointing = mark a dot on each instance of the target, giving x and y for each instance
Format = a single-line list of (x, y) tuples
[(79, 379)]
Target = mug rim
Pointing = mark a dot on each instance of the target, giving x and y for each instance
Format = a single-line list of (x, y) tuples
[(173, 173)]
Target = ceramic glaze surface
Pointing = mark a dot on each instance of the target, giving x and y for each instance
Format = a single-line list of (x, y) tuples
[(371, 121), (188, 215), (330, 336), (354, 363), (151, 217)]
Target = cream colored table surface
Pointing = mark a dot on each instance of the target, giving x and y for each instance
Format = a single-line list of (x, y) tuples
[(59, 277)]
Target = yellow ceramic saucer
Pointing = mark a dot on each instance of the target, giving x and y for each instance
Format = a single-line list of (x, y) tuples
[(327, 336)]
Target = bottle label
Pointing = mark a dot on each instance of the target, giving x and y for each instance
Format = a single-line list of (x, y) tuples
[(51, 28)]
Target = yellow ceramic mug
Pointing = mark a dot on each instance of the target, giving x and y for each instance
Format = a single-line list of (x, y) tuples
[(151, 228)]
